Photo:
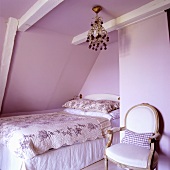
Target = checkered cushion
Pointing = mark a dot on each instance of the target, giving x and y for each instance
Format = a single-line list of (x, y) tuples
[(139, 139)]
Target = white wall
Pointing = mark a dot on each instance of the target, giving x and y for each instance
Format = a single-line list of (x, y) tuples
[(144, 51)]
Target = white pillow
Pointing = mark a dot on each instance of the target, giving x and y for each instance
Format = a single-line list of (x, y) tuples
[(74, 111), (80, 112), (115, 114)]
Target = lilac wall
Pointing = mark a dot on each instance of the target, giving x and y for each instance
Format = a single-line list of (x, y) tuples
[(46, 71), (145, 73), (104, 76)]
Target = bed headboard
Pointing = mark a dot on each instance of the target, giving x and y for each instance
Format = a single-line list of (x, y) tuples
[(103, 97)]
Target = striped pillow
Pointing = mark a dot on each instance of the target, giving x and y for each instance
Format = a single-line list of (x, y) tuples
[(139, 139)]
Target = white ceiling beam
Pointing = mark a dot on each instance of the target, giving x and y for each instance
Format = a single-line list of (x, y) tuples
[(7, 55), (36, 12), (81, 38), (136, 15), (153, 8)]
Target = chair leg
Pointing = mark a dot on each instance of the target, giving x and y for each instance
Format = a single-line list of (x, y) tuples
[(156, 168), (106, 163)]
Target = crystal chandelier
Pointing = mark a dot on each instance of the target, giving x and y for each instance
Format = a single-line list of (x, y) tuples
[(97, 36)]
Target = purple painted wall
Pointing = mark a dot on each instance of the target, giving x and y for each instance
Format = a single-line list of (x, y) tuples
[(104, 76), (145, 73), (46, 71)]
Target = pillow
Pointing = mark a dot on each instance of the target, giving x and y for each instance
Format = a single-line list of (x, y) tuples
[(95, 114), (113, 104), (115, 114), (79, 104), (74, 111), (103, 106), (139, 139)]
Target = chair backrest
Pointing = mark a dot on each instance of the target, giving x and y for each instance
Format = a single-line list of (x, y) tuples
[(142, 118)]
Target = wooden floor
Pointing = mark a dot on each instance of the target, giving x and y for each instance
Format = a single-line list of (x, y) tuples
[(100, 166)]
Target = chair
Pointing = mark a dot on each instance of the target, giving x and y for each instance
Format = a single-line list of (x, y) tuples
[(137, 148)]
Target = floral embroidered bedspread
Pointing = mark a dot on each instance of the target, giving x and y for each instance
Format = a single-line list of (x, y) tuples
[(30, 135)]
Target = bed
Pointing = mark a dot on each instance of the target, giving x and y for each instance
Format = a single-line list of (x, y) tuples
[(63, 155)]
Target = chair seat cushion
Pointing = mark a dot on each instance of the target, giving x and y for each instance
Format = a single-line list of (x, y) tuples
[(131, 155)]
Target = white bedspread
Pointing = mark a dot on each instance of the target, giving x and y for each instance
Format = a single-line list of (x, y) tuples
[(31, 135), (74, 157)]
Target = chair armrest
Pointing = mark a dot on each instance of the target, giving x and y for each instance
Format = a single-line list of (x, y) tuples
[(115, 129), (110, 134), (156, 136)]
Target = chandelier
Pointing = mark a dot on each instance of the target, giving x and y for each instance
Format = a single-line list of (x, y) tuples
[(97, 36)]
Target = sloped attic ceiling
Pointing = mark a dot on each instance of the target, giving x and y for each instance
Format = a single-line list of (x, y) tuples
[(46, 68), (70, 17), (59, 15)]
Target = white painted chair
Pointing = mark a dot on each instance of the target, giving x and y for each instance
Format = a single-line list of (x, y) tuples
[(137, 148)]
